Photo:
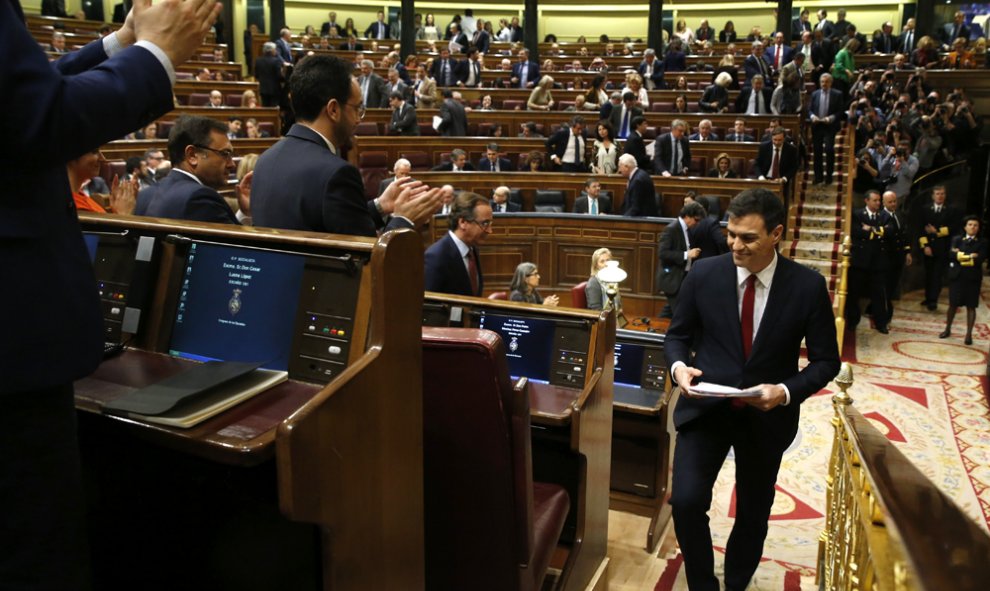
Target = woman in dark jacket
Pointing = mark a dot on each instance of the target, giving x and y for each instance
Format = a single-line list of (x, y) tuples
[(965, 275), (716, 97), (523, 287), (728, 34)]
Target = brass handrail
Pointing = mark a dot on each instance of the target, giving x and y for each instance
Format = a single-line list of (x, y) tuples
[(887, 527), (842, 283)]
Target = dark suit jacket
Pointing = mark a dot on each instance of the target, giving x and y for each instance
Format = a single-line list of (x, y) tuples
[(823, 54), (463, 70), (604, 204), (869, 247), (640, 199), (948, 222), (637, 147), (884, 43), (788, 160), (557, 143), (325, 28), (798, 27), (696, 137), (615, 118), (284, 52), (827, 27), (346, 47), (404, 124), (949, 33), (454, 119), (671, 269), (445, 270), (727, 36), (436, 71), (448, 166), (771, 55), (372, 31), (663, 152), (657, 76), (268, 72), (482, 41), (835, 104), (707, 235), (532, 78), (377, 92), (510, 206), (674, 61), (707, 322), (53, 333), (299, 184), (731, 137), (180, 197), (742, 101), (504, 165), (752, 67)]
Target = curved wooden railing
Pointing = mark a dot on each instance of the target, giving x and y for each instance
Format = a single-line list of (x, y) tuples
[(848, 164), (887, 526)]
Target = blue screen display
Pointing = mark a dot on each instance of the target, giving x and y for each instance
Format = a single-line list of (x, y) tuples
[(529, 344), (92, 242), (237, 304), (628, 364)]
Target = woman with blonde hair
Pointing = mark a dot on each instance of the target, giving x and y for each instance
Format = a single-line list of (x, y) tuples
[(249, 100), (541, 99), (684, 32), (523, 286), (595, 291)]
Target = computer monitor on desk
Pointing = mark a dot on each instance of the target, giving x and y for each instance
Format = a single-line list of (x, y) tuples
[(122, 263), (287, 310), (640, 368)]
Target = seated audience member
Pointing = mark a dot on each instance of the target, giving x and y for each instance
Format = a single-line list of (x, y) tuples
[(234, 127), (202, 158), (728, 33), (58, 43), (500, 201), (596, 292), (249, 100), (149, 132), (245, 173), (216, 100), (579, 104), (446, 200), (640, 199), (204, 75), (458, 162), (634, 84), (681, 83), (755, 98), (82, 170), (252, 131), (591, 201), (534, 162), (529, 130), (523, 286), (672, 151), (722, 168), (452, 263), (493, 161), (704, 133), (486, 103), (681, 104), (400, 170)]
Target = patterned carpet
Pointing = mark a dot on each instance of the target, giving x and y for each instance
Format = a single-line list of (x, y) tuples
[(927, 394)]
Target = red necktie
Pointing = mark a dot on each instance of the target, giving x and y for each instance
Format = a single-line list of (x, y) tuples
[(746, 320), (775, 166), (473, 275)]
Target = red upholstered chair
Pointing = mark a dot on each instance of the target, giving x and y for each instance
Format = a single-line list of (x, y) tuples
[(427, 129), (697, 166), (662, 107), (233, 99), (578, 299), (374, 169), (513, 104), (498, 295), (366, 128), (198, 99), (417, 160), (489, 527), (268, 127)]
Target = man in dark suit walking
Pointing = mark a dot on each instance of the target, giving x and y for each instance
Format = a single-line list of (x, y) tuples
[(378, 29), (777, 159), (739, 322), (403, 116), (302, 183), (284, 45), (452, 263), (800, 25), (444, 69), (672, 151), (453, 118), (898, 249), (469, 70), (567, 146), (939, 223), (374, 92), (621, 116), (640, 199), (635, 144), (868, 272), (591, 201), (202, 159), (676, 253), (268, 72), (824, 115), (53, 331)]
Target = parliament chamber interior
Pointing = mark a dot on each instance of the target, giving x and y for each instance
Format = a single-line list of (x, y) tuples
[(290, 409)]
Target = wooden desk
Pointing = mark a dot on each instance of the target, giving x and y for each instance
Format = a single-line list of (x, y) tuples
[(571, 429), (124, 149), (294, 449), (262, 114), (183, 88), (231, 70), (473, 97)]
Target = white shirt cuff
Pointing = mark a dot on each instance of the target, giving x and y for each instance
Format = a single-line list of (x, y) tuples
[(243, 219), (111, 44), (673, 370), (787, 396), (160, 55)]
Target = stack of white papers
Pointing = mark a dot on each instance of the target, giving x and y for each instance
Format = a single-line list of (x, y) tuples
[(720, 391)]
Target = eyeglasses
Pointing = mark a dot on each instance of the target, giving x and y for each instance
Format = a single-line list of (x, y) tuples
[(225, 154), (484, 225), (534, 273), (360, 108)]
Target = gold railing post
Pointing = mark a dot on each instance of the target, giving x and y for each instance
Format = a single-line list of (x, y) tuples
[(834, 543), (841, 291)]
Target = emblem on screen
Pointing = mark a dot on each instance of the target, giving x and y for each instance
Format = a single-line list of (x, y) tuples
[(513, 344), (234, 305)]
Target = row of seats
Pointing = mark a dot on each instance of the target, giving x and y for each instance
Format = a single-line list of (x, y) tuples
[(202, 99), (487, 129)]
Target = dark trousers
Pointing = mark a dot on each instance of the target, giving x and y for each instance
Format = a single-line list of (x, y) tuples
[(934, 269), (571, 167), (871, 283), (43, 544), (269, 100), (699, 453), (823, 146)]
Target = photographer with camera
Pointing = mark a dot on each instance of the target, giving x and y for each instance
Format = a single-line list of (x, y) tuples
[(929, 144), (898, 170)]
